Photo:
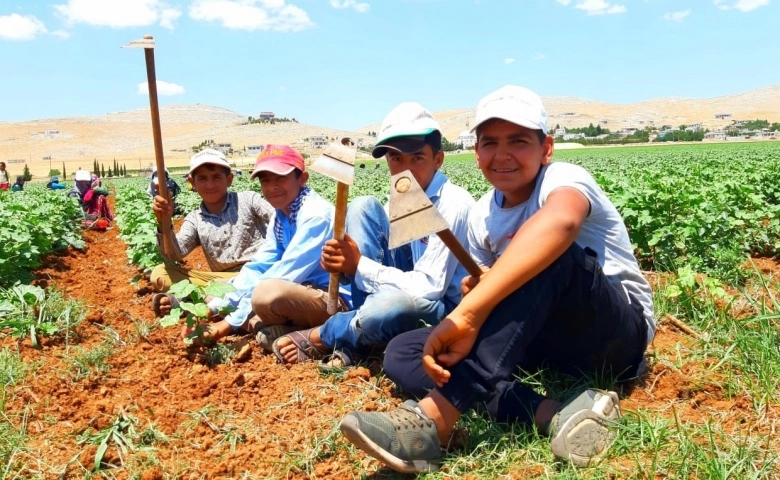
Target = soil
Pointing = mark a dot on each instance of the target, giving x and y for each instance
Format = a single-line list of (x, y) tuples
[(284, 421)]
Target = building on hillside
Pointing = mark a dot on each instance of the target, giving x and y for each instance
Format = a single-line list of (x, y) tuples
[(266, 116), (52, 132), (318, 141), (716, 135), (573, 136), (626, 131), (559, 132), (254, 149), (722, 116), (603, 122), (225, 148), (467, 139), (695, 127)]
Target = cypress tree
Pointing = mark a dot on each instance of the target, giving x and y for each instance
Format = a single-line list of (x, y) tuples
[(64, 175), (27, 175)]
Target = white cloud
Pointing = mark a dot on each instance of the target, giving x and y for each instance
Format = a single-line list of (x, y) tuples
[(741, 5), (118, 13), (61, 34), (509, 61), (600, 7), (163, 88), (563, 2), (274, 15), (358, 6), (677, 16), (540, 56), (20, 27)]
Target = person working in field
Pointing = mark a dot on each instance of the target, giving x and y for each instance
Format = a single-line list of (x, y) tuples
[(54, 183), (5, 180), (283, 288), (93, 201), (230, 226), (19, 185), (397, 290), (562, 291)]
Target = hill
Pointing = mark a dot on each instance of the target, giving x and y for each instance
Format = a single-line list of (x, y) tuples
[(127, 136)]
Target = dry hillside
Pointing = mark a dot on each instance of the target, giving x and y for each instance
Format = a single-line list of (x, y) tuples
[(127, 136)]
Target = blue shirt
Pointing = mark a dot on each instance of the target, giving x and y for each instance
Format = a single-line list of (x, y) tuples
[(295, 259), (437, 273)]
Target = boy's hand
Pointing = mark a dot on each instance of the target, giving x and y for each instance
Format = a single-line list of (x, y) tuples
[(448, 344), (340, 256), (210, 333), (468, 283), (162, 207)]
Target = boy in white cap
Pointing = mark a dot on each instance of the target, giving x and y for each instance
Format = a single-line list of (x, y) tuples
[(562, 290), (283, 288), (229, 226), (397, 290)]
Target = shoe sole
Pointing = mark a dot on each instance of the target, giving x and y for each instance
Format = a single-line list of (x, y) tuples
[(586, 436), (350, 427)]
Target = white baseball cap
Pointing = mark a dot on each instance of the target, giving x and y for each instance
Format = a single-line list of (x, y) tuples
[(409, 119), (208, 155), (82, 176), (514, 104)]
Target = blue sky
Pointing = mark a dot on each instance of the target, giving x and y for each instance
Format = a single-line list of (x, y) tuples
[(346, 63)]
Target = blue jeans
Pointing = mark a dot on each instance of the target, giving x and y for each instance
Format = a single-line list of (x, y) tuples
[(569, 318), (377, 317)]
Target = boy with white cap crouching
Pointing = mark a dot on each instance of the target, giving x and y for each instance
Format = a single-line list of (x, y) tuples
[(562, 290)]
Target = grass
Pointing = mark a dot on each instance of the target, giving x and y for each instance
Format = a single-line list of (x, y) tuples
[(83, 362), (12, 437)]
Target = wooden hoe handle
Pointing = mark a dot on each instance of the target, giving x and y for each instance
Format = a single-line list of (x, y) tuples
[(339, 224), (460, 253)]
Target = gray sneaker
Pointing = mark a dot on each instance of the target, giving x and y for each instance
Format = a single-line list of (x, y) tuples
[(580, 429), (405, 439), (266, 335)]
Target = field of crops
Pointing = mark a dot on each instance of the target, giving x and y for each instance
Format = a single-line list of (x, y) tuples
[(92, 386)]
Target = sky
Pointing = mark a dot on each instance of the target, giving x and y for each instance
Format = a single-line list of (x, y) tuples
[(346, 63)]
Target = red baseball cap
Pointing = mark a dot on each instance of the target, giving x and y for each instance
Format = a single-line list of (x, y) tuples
[(278, 159)]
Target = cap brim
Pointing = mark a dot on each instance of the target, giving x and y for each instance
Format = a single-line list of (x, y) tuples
[(405, 144), (279, 169), (207, 162)]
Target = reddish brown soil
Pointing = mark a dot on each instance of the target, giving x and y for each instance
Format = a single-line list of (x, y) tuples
[(283, 415)]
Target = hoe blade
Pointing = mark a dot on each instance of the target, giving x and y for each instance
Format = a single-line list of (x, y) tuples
[(337, 161), (412, 215)]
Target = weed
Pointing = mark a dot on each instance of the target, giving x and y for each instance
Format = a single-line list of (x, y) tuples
[(120, 433), (85, 362)]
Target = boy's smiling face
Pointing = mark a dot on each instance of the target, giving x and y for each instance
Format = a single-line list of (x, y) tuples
[(211, 182), (423, 164), (510, 157), (281, 190)]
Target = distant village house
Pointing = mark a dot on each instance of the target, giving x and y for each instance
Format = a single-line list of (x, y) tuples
[(318, 141), (266, 116), (254, 149), (224, 147)]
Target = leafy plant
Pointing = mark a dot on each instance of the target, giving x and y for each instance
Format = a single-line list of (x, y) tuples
[(196, 309), (28, 310)]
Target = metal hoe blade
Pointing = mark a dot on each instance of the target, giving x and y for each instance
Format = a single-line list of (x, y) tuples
[(146, 42), (337, 161), (412, 215)]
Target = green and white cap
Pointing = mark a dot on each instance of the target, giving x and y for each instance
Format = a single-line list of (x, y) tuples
[(407, 128)]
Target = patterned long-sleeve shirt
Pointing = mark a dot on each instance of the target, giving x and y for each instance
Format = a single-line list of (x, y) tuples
[(230, 238)]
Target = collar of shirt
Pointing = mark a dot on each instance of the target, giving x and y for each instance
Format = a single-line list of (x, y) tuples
[(228, 202), (434, 188)]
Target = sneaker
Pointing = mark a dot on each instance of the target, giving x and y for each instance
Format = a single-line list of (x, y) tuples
[(405, 439), (267, 335), (580, 429)]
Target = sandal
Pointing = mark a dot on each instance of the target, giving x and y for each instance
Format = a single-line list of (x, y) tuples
[(156, 302), (267, 335), (306, 349), (337, 361)]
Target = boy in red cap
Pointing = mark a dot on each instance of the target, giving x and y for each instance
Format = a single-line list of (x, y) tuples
[(230, 226), (284, 284)]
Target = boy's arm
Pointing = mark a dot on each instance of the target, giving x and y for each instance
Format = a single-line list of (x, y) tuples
[(432, 273), (537, 244), (250, 275), (184, 241)]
